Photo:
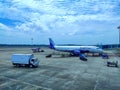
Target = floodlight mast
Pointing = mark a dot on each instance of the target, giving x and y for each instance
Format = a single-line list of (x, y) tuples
[(31, 41), (119, 33)]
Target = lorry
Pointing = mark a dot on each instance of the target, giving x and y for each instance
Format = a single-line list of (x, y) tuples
[(24, 60)]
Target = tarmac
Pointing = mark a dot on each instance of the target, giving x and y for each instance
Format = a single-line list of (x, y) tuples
[(58, 72)]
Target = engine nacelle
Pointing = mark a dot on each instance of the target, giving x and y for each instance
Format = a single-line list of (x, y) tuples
[(76, 52)]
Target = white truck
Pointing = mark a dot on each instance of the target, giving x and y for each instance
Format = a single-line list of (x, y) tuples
[(24, 60)]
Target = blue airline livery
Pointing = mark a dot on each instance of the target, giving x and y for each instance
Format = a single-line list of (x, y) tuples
[(75, 50)]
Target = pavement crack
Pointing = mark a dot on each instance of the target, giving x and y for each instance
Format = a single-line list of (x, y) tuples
[(97, 82), (27, 83)]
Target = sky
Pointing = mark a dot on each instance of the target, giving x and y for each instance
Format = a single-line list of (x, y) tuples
[(84, 22)]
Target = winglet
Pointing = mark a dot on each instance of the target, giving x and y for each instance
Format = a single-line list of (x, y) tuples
[(52, 44)]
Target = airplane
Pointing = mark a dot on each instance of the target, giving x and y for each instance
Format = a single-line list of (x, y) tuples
[(75, 50)]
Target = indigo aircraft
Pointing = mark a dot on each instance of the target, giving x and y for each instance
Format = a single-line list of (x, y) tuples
[(75, 50)]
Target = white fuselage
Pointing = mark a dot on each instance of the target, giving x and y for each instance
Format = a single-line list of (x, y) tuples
[(75, 50), (91, 49)]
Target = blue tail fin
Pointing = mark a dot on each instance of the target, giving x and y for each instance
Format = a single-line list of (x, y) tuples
[(52, 44)]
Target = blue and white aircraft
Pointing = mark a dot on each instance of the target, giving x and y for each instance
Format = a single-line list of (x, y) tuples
[(75, 50)]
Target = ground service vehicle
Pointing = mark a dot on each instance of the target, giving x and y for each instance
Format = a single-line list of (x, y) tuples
[(24, 60)]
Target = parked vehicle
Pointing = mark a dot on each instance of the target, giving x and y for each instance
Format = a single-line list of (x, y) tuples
[(114, 64), (82, 57), (105, 56), (24, 60)]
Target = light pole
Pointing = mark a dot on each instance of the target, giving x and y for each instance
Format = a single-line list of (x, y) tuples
[(31, 41), (119, 34)]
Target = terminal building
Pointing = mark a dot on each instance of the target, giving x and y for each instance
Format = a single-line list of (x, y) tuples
[(110, 46)]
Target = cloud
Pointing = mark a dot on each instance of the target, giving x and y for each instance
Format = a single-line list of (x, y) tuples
[(71, 18), (84, 10), (4, 27)]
